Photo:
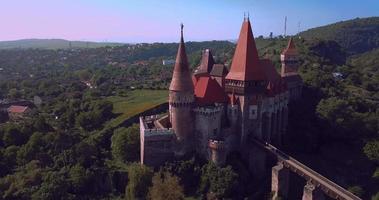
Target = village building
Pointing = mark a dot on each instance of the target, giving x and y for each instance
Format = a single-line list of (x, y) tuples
[(16, 113)]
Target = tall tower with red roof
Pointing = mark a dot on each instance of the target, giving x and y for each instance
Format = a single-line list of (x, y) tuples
[(289, 59), (290, 64), (181, 100), (247, 81)]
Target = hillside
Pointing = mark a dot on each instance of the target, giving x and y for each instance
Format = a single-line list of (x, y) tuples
[(356, 36), (52, 44)]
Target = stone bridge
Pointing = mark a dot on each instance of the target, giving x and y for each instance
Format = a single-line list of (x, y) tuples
[(317, 185)]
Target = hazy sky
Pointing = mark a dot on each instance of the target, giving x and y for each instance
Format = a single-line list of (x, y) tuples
[(158, 20)]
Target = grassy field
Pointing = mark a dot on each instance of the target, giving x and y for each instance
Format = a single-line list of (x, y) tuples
[(137, 101)]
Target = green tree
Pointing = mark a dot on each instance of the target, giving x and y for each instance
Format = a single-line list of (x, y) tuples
[(375, 197), (357, 190), (13, 135), (371, 150), (14, 93), (54, 186), (85, 154), (165, 187), (80, 178), (217, 180), (125, 144), (139, 181), (29, 150)]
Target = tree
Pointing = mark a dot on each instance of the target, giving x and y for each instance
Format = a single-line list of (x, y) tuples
[(139, 181), (371, 150), (125, 144), (217, 180), (29, 150), (165, 187), (14, 93), (375, 197), (13, 135), (189, 172), (80, 178), (85, 154), (54, 186), (357, 190)]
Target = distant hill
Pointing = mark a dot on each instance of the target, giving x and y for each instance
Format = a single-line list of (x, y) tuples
[(356, 36), (53, 44)]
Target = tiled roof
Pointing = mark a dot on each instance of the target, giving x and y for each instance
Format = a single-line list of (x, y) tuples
[(290, 49), (206, 62), (245, 65), (17, 109), (219, 70), (208, 91)]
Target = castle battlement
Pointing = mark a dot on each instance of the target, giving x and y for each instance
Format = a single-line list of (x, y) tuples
[(156, 132), (208, 111), (216, 144)]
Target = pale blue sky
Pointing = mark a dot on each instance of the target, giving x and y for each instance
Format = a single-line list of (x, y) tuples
[(158, 20)]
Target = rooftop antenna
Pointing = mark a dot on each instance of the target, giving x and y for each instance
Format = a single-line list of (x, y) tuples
[(285, 26), (298, 27)]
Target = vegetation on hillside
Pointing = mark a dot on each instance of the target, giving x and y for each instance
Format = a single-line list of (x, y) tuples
[(356, 36)]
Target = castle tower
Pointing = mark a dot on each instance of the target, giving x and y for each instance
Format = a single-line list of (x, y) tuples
[(181, 100), (247, 79), (206, 63), (290, 64), (289, 59), (217, 152)]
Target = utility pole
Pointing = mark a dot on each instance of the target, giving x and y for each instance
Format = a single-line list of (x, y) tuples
[(285, 26), (298, 27)]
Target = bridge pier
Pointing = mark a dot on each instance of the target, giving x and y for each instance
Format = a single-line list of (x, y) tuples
[(279, 181), (312, 192), (257, 162)]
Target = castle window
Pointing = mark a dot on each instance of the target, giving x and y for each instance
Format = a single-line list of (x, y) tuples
[(253, 112)]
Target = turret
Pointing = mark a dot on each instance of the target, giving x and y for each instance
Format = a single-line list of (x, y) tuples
[(246, 75), (290, 64), (289, 59), (181, 100), (217, 152)]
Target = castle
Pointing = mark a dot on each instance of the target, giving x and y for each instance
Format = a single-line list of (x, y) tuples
[(215, 111)]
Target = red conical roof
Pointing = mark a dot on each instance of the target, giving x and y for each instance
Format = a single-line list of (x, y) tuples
[(291, 48), (246, 65), (206, 63), (181, 78)]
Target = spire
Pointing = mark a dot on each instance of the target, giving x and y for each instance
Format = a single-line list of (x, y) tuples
[(206, 63), (291, 48), (245, 65), (181, 78)]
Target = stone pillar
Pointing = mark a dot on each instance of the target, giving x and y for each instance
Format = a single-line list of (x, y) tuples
[(279, 181), (266, 128), (257, 162), (273, 127), (279, 127), (311, 192)]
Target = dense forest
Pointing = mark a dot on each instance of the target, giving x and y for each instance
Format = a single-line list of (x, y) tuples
[(67, 149)]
